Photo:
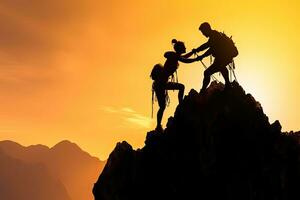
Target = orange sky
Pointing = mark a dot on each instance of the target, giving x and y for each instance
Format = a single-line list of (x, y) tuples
[(79, 70)]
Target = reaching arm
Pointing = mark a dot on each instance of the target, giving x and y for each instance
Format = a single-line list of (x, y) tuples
[(207, 53), (201, 48), (188, 55), (187, 60)]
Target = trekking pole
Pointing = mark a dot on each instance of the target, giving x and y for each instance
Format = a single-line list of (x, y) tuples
[(213, 77)]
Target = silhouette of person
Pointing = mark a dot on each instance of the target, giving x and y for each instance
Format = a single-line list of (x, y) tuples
[(218, 47), (162, 83)]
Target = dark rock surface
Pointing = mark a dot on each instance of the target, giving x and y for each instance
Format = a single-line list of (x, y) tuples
[(219, 145)]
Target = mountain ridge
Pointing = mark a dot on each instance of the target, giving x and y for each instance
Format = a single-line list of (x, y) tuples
[(66, 162), (23, 180)]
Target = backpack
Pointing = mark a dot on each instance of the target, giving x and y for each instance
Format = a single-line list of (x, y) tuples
[(225, 46), (156, 72), (156, 75)]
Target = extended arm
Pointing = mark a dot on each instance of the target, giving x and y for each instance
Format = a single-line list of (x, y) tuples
[(188, 55), (201, 48), (207, 53), (187, 60)]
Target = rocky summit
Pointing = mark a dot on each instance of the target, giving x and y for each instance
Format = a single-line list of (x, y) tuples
[(218, 145)]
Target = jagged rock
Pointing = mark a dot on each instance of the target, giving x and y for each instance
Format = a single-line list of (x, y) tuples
[(219, 145)]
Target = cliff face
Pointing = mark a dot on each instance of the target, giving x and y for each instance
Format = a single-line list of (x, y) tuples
[(219, 145)]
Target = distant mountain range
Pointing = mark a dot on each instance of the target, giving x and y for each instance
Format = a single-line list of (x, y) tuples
[(37, 172)]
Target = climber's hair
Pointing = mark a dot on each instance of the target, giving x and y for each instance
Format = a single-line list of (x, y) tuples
[(178, 45)]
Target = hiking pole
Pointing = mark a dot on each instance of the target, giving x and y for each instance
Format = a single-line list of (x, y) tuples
[(213, 77)]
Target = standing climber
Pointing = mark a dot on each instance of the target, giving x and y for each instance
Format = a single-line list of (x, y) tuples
[(221, 47), (162, 75)]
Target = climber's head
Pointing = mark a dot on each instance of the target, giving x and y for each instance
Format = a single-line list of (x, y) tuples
[(205, 29), (179, 46)]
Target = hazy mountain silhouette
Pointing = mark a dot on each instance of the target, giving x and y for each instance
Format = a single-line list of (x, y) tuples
[(24, 181), (65, 161), (218, 145)]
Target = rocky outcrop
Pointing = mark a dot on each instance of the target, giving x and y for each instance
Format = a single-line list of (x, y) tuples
[(218, 145)]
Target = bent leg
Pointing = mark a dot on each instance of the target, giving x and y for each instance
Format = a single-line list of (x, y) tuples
[(176, 86), (207, 73), (224, 70), (225, 74), (159, 116), (161, 98)]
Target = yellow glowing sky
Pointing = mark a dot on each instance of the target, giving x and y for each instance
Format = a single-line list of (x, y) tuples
[(79, 70)]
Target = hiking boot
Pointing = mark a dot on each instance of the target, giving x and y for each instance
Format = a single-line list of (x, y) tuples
[(159, 129), (227, 86), (202, 91)]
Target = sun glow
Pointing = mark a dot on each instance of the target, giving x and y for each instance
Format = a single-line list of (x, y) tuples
[(80, 70)]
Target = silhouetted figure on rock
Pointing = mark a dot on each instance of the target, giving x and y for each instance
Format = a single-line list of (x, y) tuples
[(162, 75), (221, 47)]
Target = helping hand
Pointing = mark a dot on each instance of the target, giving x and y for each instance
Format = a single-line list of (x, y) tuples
[(199, 58), (194, 50)]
